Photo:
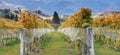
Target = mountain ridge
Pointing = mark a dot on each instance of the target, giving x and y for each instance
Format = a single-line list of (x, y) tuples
[(106, 13)]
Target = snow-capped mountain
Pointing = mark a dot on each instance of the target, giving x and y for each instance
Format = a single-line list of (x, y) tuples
[(41, 15), (12, 8), (5, 5), (106, 13)]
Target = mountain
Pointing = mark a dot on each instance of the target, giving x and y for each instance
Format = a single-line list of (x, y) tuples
[(39, 14), (13, 14), (5, 5), (67, 7), (12, 11), (106, 13)]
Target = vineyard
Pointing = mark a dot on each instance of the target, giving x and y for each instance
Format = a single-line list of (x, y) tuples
[(104, 29), (80, 34)]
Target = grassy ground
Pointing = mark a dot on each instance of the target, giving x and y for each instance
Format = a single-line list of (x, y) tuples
[(10, 50), (102, 50), (55, 44)]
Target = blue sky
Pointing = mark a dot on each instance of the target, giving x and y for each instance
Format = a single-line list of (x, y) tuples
[(67, 7)]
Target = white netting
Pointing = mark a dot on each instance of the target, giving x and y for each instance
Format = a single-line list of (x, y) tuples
[(9, 37), (36, 32), (75, 33), (113, 34), (33, 39), (9, 33)]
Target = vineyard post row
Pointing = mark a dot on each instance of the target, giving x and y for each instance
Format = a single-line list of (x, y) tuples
[(89, 35), (23, 35)]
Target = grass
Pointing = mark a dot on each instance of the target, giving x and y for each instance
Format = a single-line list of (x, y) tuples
[(10, 50), (55, 44), (102, 50)]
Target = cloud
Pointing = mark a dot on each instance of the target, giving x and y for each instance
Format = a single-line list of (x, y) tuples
[(53, 1), (43, 10), (4, 4), (36, 0), (71, 7), (70, 0)]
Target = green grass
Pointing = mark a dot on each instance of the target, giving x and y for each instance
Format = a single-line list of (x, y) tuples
[(102, 50), (10, 50), (55, 44)]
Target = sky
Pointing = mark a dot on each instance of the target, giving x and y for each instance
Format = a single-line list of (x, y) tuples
[(67, 7)]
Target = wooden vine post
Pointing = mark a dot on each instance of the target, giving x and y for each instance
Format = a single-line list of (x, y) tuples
[(90, 42), (22, 42)]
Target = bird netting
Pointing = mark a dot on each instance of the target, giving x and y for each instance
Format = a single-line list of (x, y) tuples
[(33, 39), (113, 34)]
